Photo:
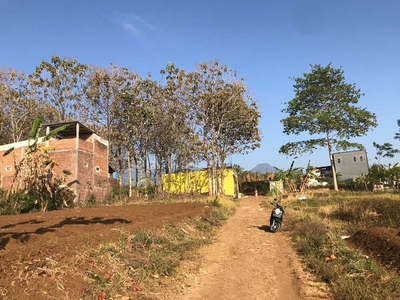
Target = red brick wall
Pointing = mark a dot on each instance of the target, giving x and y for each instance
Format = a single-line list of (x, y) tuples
[(85, 174), (85, 168), (84, 145), (68, 143), (65, 161), (6, 176), (102, 183), (89, 170), (100, 159)]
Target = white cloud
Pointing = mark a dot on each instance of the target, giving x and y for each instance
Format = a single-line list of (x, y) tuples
[(132, 23), (130, 28), (143, 22)]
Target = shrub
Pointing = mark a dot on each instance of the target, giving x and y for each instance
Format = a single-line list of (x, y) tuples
[(248, 188), (309, 235), (92, 201)]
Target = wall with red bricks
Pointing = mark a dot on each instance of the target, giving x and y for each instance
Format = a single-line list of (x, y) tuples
[(66, 161), (84, 145), (85, 172), (58, 144), (102, 182), (7, 166), (88, 165)]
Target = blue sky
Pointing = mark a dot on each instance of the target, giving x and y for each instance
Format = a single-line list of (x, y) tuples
[(265, 41)]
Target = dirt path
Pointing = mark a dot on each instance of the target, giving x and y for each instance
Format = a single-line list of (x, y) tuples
[(248, 262)]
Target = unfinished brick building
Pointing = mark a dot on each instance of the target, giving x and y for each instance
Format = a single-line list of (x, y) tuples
[(76, 149)]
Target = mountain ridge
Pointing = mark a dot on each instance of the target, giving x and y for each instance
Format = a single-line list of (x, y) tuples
[(264, 168)]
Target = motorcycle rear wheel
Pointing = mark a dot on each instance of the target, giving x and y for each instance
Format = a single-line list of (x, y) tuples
[(274, 226)]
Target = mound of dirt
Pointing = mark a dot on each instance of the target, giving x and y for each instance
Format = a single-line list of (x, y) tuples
[(382, 244)]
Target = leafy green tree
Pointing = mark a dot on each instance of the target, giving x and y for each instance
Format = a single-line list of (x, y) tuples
[(305, 178), (393, 173), (325, 106), (385, 150), (377, 173), (397, 134), (363, 182)]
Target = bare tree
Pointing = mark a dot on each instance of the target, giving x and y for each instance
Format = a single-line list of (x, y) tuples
[(18, 106), (62, 82), (226, 116)]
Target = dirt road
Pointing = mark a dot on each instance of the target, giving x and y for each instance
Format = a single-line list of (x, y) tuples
[(248, 262), (245, 262)]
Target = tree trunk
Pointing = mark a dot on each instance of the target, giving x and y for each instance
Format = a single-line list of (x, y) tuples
[(335, 185), (120, 170), (129, 175), (221, 186), (209, 166), (214, 162), (136, 171), (159, 175), (210, 181)]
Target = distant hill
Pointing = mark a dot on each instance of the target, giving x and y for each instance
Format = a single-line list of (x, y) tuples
[(264, 168)]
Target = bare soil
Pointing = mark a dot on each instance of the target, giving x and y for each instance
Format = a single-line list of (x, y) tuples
[(47, 240), (246, 261), (381, 244)]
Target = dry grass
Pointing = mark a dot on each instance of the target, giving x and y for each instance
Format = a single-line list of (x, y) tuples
[(142, 265), (317, 224)]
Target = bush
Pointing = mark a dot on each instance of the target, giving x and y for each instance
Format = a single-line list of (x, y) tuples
[(62, 196), (120, 192), (7, 206), (309, 235), (28, 201), (248, 188), (92, 201), (147, 190)]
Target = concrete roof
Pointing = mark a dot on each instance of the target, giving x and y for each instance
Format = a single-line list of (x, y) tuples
[(71, 129)]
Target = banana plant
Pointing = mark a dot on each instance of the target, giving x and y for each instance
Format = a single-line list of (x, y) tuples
[(393, 173), (289, 177), (35, 169)]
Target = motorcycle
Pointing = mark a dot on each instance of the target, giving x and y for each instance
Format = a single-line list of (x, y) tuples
[(276, 219)]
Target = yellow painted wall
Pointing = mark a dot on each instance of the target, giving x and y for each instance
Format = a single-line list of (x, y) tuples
[(196, 182)]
